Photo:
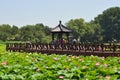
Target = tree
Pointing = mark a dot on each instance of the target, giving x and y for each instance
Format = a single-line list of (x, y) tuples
[(14, 30), (109, 21), (86, 31), (93, 32), (34, 33), (78, 27), (15, 33), (5, 31)]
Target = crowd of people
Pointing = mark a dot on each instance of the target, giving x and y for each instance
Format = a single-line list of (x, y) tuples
[(64, 41)]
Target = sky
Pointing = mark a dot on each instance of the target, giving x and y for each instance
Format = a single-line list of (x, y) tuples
[(49, 12)]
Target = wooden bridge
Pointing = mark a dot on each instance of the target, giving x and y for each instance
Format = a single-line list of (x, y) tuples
[(68, 49)]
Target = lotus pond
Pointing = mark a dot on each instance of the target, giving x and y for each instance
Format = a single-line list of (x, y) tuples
[(34, 66)]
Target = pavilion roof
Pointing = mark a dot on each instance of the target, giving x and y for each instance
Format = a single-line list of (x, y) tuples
[(61, 28)]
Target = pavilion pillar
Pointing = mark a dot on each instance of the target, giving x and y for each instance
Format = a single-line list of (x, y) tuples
[(59, 36), (53, 36), (67, 34)]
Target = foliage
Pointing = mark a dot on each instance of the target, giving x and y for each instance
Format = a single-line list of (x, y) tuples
[(109, 21), (4, 32), (32, 33), (78, 27), (86, 31), (28, 66)]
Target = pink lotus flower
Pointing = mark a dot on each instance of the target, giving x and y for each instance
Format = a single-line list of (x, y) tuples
[(100, 77), (84, 67), (46, 67), (4, 63), (105, 65), (67, 69), (55, 58), (81, 59), (119, 61), (38, 69), (103, 58), (61, 77), (97, 64), (69, 60), (77, 57), (73, 56), (92, 55), (119, 72), (107, 77)]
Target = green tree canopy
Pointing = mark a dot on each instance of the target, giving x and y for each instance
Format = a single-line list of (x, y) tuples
[(109, 21), (78, 27), (5, 32), (86, 31)]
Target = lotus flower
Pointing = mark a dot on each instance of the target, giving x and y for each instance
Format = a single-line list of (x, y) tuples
[(67, 69), (38, 69), (105, 65), (61, 77), (84, 67), (46, 67), (119, 72), (77, 57), (97, 64), (100, 77), (103, 58), (4, 63), (55, 58), (69, 60), (107, 77), (73, 57), (81, 59)]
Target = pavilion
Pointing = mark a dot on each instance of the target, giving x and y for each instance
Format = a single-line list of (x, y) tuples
[(60, 30)]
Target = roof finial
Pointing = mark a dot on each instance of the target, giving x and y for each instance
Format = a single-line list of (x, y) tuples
[(60, 22)]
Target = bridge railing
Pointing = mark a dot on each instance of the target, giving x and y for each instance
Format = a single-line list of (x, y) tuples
[(15, 46), (60, 47)]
